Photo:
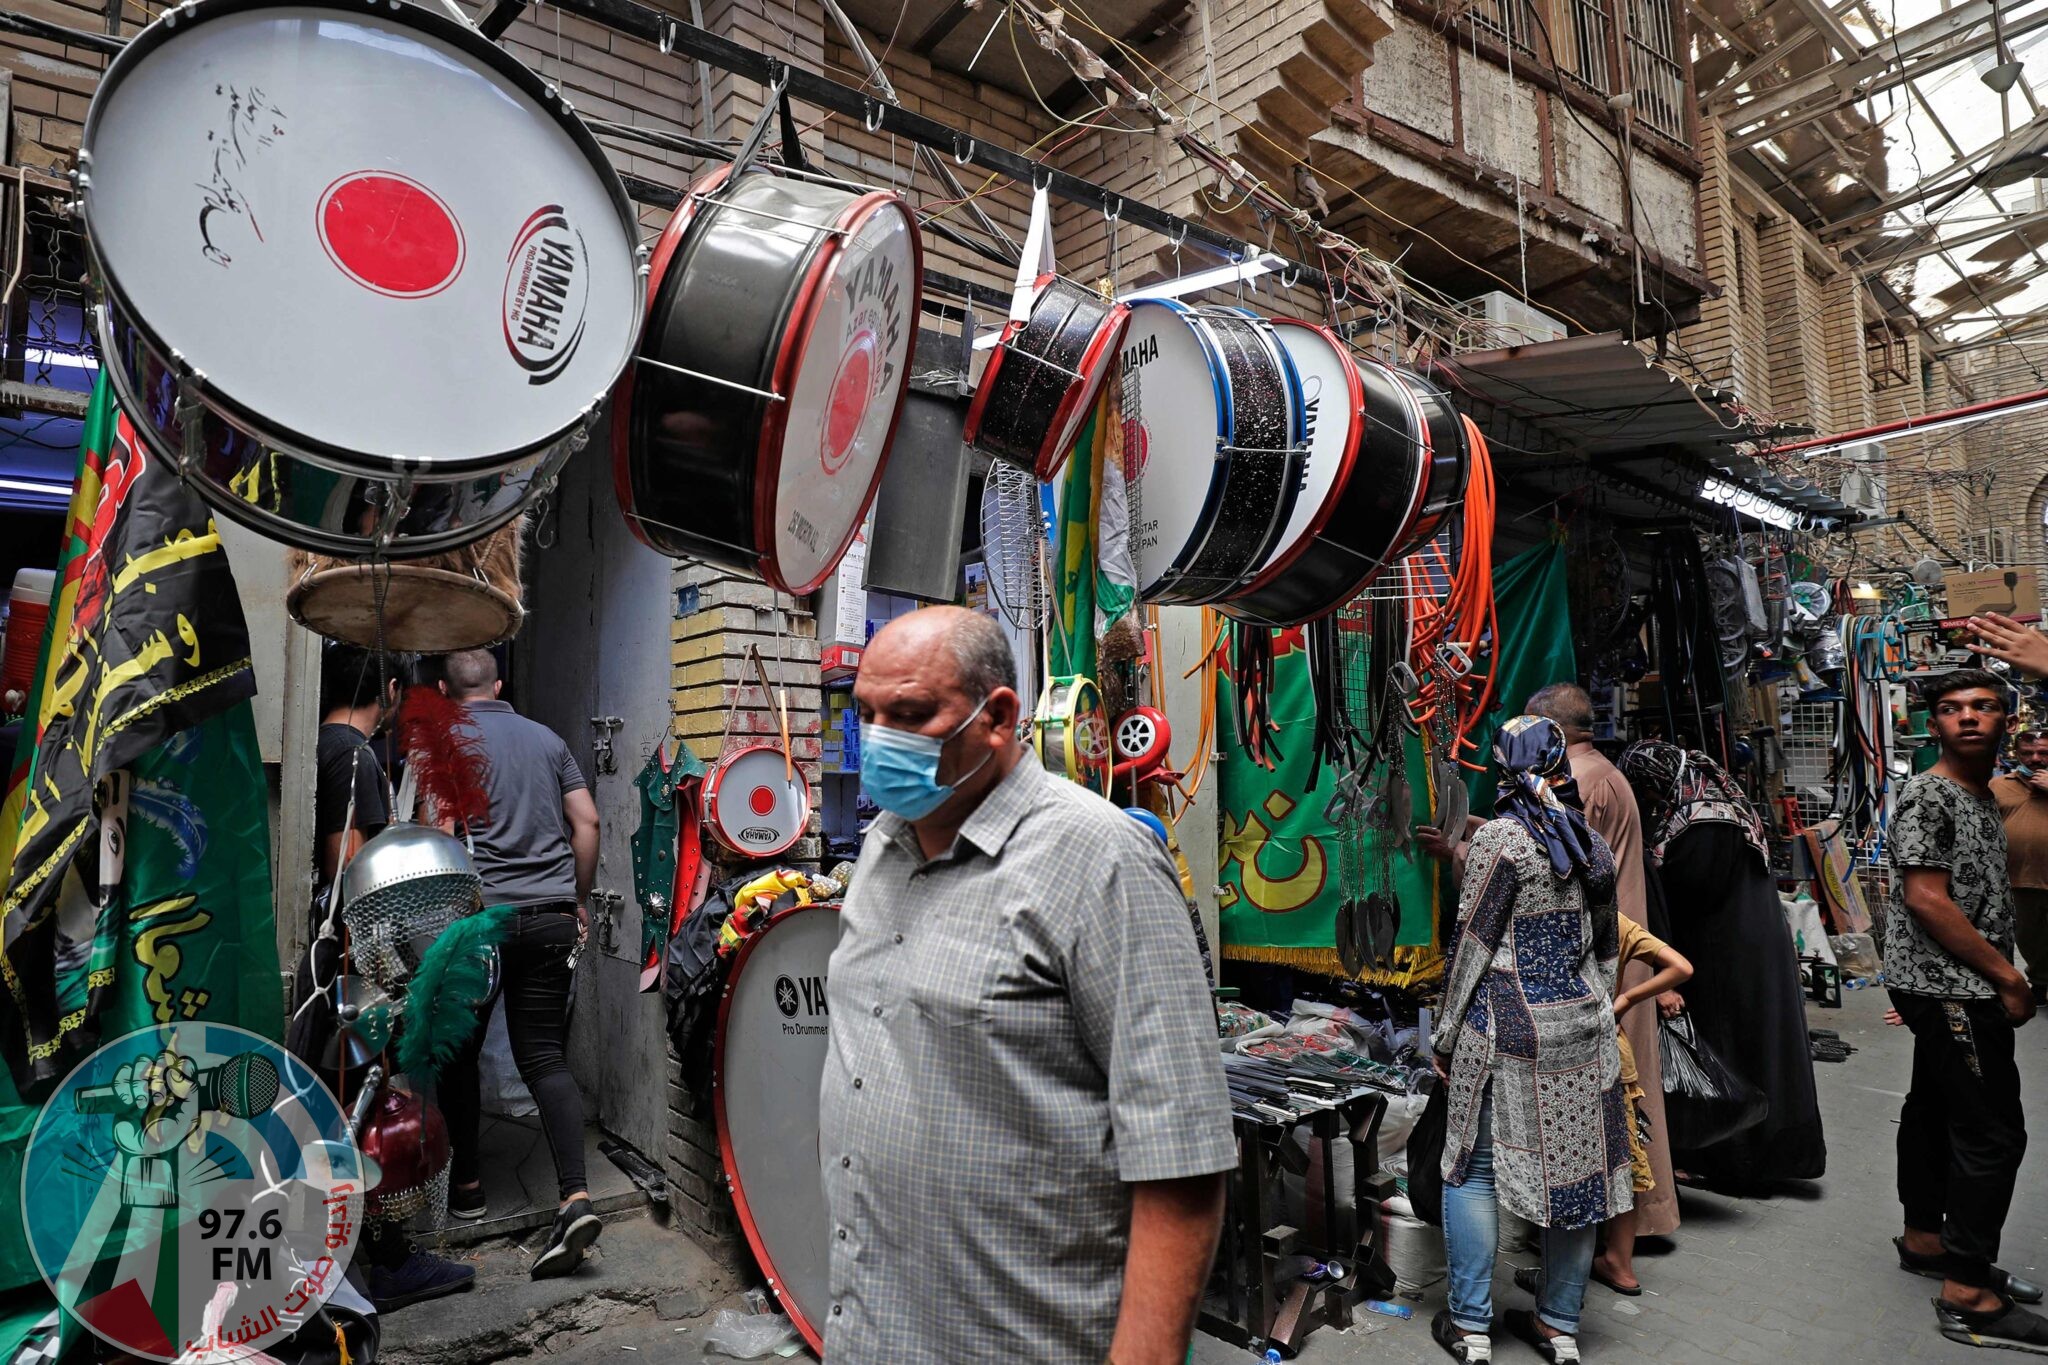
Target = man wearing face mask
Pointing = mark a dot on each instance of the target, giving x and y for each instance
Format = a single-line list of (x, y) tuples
[(1024, 1120)]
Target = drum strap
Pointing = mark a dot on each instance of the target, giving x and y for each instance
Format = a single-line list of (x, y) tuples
[(774, 113)]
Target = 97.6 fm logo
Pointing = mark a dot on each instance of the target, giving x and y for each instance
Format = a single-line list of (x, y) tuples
[(192, 1192)]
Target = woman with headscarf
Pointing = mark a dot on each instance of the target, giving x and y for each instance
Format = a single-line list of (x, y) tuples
[(1535, 1120), (1744, 997)]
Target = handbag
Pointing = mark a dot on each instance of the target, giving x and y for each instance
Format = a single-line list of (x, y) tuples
[(1705, 1101), (1426, 1157)]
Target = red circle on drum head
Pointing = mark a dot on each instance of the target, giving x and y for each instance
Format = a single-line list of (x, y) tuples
[(390, 234), (847, 404), (762, 800)]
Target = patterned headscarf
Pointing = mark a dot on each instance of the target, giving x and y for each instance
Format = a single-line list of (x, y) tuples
[(1536, 792), (1682, 787)]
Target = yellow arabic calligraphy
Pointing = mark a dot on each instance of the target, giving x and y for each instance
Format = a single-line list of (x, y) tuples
[(159, 954), (1249, 846)]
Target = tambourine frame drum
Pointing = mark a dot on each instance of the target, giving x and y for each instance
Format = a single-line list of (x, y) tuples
[(408, 607), (751, 807), (767, 1061), (771, 375), (1071, 733), (1037, 388), (311, 387)]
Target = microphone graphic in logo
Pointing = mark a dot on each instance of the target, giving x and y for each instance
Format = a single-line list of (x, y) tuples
[(192, 1191)]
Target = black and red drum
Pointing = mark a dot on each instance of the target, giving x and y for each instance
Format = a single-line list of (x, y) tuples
[(771, 374), (1434, 466), (1213, 445), (365, 278), (1042, 380), (756, 802)]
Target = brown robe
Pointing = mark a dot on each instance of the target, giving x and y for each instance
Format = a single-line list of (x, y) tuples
[(1611, 810)]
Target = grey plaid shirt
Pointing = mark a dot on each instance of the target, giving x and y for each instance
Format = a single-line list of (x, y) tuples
[(1019, 1028)]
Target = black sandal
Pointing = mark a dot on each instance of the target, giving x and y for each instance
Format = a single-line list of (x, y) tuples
[(1935, 1267), (1472, 1349), (1558, 1350), (2010, 1328)]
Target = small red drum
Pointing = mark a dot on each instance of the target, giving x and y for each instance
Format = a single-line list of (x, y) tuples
[(767, 1062), (1042, 380), (771, 374), (366, 279), (754, 805)]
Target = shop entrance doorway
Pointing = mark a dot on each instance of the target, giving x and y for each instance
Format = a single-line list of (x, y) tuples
[(593, 664)]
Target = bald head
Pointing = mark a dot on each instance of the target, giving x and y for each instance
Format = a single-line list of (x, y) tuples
[(972, 643), (946, 673), (1568, 705)]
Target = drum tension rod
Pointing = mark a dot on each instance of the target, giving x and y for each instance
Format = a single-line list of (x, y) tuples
[(763, 213), (709, 378), (1054, 366)]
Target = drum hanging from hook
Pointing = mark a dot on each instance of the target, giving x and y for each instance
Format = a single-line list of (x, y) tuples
[(753, 424)]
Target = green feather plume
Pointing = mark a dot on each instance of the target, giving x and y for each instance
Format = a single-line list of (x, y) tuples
[(444, 999)]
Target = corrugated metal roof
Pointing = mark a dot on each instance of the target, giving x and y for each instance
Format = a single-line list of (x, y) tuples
[(1601, 397)]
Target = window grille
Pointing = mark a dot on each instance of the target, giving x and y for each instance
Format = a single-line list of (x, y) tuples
[(1654, 68), (1507, 20), (1581, 34)]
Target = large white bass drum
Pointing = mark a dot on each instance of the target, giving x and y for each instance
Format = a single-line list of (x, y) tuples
[(366, 279)]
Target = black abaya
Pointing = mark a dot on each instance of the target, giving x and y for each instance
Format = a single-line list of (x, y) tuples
[(1746, 1001)]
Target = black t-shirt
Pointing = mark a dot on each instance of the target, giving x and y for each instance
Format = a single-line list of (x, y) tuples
[(338, 753)]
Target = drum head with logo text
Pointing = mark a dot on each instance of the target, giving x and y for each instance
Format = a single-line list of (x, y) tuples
[(846, 391), (756, 807), (773, 1033), (366, 234), (1172, 421)]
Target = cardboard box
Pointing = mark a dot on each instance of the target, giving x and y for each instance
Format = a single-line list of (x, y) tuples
[(2009, 592)]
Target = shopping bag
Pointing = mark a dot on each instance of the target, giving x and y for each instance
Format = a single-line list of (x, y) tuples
[(1705, 1101), (1426, 1159)]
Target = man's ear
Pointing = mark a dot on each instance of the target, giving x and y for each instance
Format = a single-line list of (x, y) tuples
[(441, 687), (496, 688)]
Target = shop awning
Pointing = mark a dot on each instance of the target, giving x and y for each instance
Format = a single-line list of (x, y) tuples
[(1600, 400)]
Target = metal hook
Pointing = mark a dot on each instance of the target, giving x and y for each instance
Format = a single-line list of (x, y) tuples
[(873, 115), (668, 36), (1107, 216), (960, 156), (1340, 297), (1289, 279), (1037, 185)]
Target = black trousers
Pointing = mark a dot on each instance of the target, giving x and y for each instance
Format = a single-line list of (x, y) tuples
[(1961, 1130), (535, 958)]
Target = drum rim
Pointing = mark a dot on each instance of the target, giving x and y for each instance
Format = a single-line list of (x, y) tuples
[(725, 765), (741, 1206), (1162, 590), (542, 469), (299, 445), (1355, 392), (797, 327), (1063, 714), (1421, 393)]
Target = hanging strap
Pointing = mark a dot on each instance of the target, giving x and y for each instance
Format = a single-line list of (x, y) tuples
[(773, 109), (1036, 258)]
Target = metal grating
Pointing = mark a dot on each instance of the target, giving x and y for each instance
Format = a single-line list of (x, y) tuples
[(1582, 39), (1807, 733), (1654, 67)]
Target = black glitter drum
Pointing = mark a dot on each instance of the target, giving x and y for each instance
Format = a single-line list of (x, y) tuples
[(1214, 440), (1384, 466), (1042, 380)]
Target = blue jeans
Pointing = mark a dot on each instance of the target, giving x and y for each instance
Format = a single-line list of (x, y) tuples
[(1472, 1231)]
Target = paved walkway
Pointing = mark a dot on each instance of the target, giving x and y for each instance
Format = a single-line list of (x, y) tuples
[(1807, 1275)]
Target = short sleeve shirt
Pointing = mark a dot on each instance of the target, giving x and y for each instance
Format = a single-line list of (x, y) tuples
[(346, 761), (1941, 825), (1020, 1027), (522, 850)]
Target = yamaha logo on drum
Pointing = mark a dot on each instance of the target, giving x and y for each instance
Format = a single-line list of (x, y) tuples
[(802, 994), (760, 834), (547, 289)]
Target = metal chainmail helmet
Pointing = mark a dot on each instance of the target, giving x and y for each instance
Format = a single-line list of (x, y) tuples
[(398, 893)]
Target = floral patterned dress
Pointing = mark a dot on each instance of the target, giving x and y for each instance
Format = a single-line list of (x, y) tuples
[(1528, 1012)]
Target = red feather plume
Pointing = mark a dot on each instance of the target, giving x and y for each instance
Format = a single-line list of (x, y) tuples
[(448, 755)]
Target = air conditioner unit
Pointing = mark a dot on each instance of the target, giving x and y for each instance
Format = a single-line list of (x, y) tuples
[(1863, 481), (1511, 322)]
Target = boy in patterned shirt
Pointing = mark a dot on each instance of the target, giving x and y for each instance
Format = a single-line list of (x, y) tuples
[(1948, 941)]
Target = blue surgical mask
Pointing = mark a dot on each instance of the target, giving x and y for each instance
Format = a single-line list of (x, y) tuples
[(900, 771)]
